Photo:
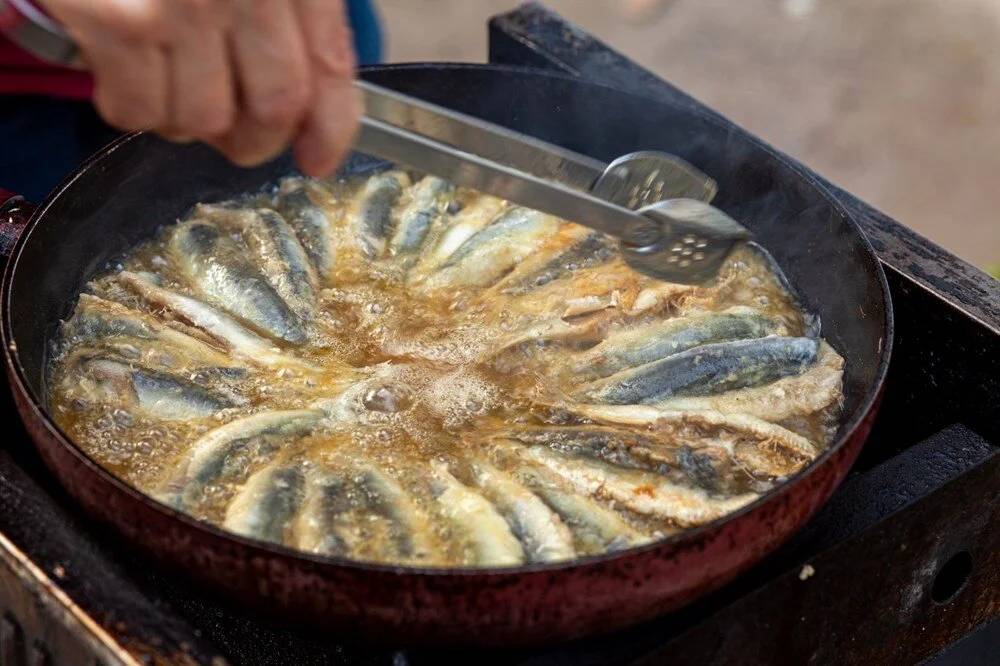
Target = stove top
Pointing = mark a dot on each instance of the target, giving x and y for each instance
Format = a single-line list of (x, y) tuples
[(903, 562)]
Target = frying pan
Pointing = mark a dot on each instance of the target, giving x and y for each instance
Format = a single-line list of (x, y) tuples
[(125, 191)]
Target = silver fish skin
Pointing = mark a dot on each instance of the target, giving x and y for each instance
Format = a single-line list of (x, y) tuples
[(166, 355), (541, 531), (492, 252), (214, 456), (449, 232), (409, 528), (492, 542), (266, 503), (705, 370), (99, 322), (760, 451), (280, 256), (320, 527), (311, 224), (157, 394), (371, 216), (215, 322), (429, 199), (595, 249), (219, 271), (624, 448), (354, 509), (95, 319), (707, 466), (641, 492), (598, 528), (631, 347), (817, 389)]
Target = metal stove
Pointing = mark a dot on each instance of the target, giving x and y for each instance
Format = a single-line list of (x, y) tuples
[(902, 564)]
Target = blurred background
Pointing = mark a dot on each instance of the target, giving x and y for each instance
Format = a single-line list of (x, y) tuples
[(897, 101)]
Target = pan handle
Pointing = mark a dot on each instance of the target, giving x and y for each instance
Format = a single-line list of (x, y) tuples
[(15, 212)]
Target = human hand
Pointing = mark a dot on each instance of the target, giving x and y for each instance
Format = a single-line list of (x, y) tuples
[(249, 77)]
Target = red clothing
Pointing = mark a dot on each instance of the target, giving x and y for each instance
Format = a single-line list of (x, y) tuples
[(23, 74)]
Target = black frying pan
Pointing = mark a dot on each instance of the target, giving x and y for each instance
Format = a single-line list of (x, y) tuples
[(121, 195)]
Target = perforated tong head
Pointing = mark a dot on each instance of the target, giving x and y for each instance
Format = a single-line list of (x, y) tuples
[(654, 203)]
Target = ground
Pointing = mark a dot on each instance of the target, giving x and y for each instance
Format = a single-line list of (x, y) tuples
[(896, 100)]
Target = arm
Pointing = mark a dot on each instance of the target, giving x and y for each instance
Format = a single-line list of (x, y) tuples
[(247, 76)]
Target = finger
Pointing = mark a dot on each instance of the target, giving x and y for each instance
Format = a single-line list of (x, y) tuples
[(332, 121), (273, 79), (329, 43), (130, 82), (329, 130), (202, 94), (121, 41)]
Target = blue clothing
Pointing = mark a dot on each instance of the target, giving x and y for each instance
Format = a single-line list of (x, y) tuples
[(367, 31), (45, 139)]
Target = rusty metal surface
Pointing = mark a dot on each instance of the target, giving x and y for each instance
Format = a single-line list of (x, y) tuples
[(39, 623), (929, 578), (70, 590)]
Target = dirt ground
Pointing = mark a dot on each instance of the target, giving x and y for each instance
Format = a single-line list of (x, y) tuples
[(896, 100)]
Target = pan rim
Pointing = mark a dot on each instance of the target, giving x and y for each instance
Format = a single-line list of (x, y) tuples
[(846, 430)]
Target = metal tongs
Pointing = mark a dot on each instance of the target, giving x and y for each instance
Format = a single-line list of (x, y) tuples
[(654, 203)]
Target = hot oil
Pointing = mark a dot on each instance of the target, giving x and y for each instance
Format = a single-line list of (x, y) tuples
[(432, 373)]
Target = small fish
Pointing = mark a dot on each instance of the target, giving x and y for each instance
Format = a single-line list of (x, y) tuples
[(680, 455), (361, 512), (815, 390), (472, 515), (312, 225), (370, 216), (543, 535), (167, 355), (216, 323), (596, 527), (266, 502), (588, 249), (148, 391), (280, 256), (541, 334), (226, 452), (642, 492), (408, 527), (219, 270), (757, 435), (95, 318), (618, 446), (427, 203), (448, 233), (490, 254), (97, 321), (613, 285), (711, 368), (631, 347), (322, 525)]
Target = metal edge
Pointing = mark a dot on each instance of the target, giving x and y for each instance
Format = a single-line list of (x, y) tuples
[(61, 607)]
